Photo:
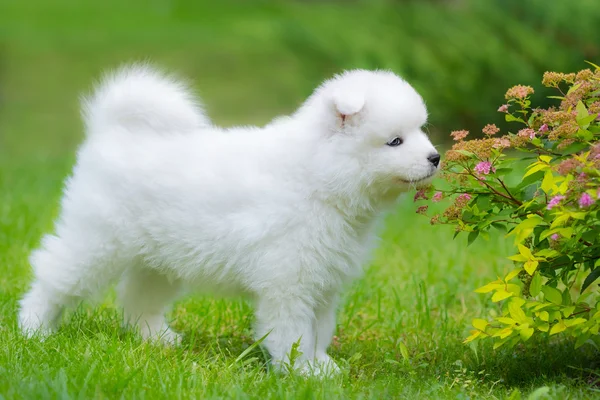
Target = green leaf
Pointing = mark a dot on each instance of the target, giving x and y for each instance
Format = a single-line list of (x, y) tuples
[(512, 118), (582, 112), (538, 393), (499, 226), (591, 278), (592, 64), (582, 339), (586, 121), (499, 343), (558, 328), (536, 285), (529, 180), (552, 295), (472, 236), (404, 351), (544, 316), (466, 153)]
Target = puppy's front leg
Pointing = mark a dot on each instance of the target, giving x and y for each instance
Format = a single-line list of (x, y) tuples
[(288, 319), (325, 315)]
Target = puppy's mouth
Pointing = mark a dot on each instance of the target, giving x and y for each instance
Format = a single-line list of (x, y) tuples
[(417, 181)]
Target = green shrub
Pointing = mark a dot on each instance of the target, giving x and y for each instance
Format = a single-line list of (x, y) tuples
[(540, 184)]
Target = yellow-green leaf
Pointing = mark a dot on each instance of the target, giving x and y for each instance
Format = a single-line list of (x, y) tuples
[(567, 311), (572, 322), (548, 232), (560, 220), (474, 335), (548, 182), (489, 287), (546, 159), (516, 312), (500, 295), (525, 252), (512, 274), (535, 168), (530, 266), (566, 232), (503, 333), (518, 258), (480, 324), (546, 253), (526, 333), (558, 328), (544, 316), (552, 295), (506, 320), (542, 326), (514, 289), (531, 222)]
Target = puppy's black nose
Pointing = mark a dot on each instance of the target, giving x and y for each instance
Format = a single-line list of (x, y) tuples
[(434, 159)]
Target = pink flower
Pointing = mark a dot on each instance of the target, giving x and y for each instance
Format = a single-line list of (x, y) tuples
[(544, 128), (555, 201), (420, 195), (585, 200), (483, 168), (555, 237), (528, 133), (490, 129), (459, 135), (462, 200), (437, 197), (503, 108), (501, 143)]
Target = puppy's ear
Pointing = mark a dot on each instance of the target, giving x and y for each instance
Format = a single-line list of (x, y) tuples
[(347, 104)]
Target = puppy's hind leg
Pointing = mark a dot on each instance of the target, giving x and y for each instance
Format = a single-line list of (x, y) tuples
[(145, 295), (67, 270)]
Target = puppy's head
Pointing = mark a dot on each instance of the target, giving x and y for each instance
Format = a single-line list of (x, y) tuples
[(376, 119)]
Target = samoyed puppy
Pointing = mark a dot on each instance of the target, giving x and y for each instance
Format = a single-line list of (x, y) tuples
[(164, 202)]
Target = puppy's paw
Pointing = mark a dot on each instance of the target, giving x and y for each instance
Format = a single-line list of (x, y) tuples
[(31, 326), (321, 367), (170, 338), (164, 336)]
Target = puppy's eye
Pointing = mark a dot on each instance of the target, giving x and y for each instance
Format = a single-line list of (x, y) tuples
[(395, 142)]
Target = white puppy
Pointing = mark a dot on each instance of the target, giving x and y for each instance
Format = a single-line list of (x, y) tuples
[(161, 200)]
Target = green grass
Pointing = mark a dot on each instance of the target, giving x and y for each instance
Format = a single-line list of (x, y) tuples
[(417, 295)]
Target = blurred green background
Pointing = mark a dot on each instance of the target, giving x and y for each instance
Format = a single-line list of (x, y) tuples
[(251, 61)]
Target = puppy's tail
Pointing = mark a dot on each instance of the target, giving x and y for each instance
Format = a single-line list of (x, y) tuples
[(140, 98)]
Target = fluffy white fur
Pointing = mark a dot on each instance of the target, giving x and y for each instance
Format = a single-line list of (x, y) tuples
[(164, 202)]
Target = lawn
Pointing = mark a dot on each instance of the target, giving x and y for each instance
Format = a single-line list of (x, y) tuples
[(400, 327)]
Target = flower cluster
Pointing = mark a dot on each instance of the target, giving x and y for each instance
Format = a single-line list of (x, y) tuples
[(518, 92), (541, 184)]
